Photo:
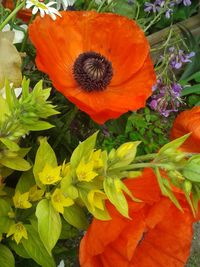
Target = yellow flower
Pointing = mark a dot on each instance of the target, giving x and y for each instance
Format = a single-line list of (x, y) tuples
[(85, 171), (66, 168), (50, 175), (97, 159), (18, 231), (21, 200), (59, 201), (96, 199), (35, 194)]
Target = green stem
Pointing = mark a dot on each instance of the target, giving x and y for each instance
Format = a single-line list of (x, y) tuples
[(10, 16), (17, 4), (165, 43), (142, 165), (145, 157), (26, 36), (100, 7), (90, 5)]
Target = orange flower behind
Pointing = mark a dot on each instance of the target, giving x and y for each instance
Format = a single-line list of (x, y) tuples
[(186, 122), (158, 234), (100, 62), (23, 14)]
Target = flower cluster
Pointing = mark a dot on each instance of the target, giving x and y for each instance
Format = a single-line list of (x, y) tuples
[(166, 97), (178, 57), (166, 6)]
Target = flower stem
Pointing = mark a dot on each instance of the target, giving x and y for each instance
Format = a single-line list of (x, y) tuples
[(142, 165), (100, 7), (145, 157), (11, 15)]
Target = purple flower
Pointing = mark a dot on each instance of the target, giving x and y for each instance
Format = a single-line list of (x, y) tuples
[(150, 7), (179, 57), (187, 2), (168, 13), (176, 89), (153, 104), (166, 98)]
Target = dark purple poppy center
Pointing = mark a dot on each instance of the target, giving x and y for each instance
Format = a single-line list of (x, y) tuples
[(92, 71)]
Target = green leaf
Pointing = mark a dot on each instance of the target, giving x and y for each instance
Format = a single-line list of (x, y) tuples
[(173, 145), (19, 249), (75, 216), (45, 155), (113, 190), (12, 146), (5, 221), (125, 9), (25, 182), (35, 248), (15, 163), (166, 189), (6, 257), (83, 150), (192, 169), (40, 125), (195, 89), (49, 224)]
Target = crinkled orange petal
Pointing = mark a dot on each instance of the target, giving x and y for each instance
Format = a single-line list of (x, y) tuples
[(158, 235), (145, 187), (168, 244), (186, 122), (59, 43)]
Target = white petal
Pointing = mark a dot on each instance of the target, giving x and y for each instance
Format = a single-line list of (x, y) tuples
[(6, 28), (29, 5), (35, 10), (61, 264), (19, 36), (42, 13), (18, 91)]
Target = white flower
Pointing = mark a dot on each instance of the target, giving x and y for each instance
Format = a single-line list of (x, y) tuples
[(43, 8), (19, 35), (61, 264), (65, 3)]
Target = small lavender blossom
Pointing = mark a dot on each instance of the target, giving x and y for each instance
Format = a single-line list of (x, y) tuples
[(179, 57), (166, 98), (168, 13), (187, 2)]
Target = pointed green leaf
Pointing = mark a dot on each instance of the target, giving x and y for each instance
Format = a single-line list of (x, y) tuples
[(45, 155), (15, 163), (12, 146), (83, 150), (75, 216), (6, 257), (35, 248), (25, 182), (113, 190), (49, 224), (5, 220), (173, 145)]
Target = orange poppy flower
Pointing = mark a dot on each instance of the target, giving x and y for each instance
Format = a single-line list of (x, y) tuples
[(158, 234), (100, 62), (186, 122)]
